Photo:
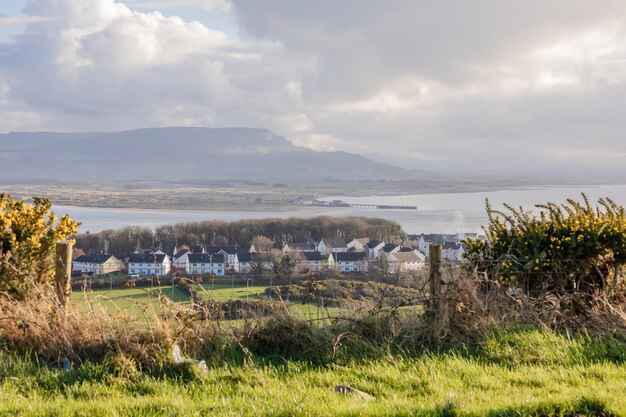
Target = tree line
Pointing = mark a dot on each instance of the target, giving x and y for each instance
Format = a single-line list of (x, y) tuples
[(122, 242)]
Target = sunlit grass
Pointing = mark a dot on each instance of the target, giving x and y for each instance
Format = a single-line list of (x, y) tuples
[(430, 385)]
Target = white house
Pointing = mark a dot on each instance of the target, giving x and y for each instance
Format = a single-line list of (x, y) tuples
[(426, 240), (97, 264), (204, 263), (230, 252), (452, 251), (244, 260), (311, 261), (357, 245), (181, 258), (149, 264), (372, 248), (413, 240), (406, 261), (348, 261), (332, 245)]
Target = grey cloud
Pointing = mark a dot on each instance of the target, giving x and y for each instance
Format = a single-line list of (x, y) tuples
[(481, 83)]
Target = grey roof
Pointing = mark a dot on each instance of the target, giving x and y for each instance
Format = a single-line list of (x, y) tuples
[(405, 249), (373, 243), (439, 238), (99, 258), (205, 258), (145, 258), (451, 245), (180, 253), (244, 256), (389, 247), (301, 246), (334, 243), (231, 250), (348, 256), (195, 249), (312, 256)]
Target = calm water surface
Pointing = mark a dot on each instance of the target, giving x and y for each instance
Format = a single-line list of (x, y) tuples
[(445, 213)]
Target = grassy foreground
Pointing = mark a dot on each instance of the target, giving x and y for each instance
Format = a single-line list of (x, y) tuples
[(520, 372)]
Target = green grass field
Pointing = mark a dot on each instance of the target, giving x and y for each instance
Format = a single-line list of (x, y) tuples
[(430, 385), (136, 301)]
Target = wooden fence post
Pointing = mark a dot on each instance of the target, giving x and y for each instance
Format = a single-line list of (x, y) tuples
[(434, 261), (63, 271)]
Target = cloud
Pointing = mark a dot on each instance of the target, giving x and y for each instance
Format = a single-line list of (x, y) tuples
[(222, 5), (102, 65), (480, 83), (11, 21)]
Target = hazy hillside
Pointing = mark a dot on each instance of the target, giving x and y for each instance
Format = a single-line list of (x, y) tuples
[(177, 154)]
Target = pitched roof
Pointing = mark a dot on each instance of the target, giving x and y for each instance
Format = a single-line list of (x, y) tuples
[(348, 256), (301, 246), (145, 258), (407, 257), (451, 245), (244, 256), (389, 247), (439, 238), (231, 250), (334, 243), (98, 258), (206, 258), (195, 249), (312, 256), (373, 243), (180, 253)]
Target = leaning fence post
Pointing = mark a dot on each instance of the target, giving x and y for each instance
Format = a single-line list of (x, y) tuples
[(63, 271), (434, 261)]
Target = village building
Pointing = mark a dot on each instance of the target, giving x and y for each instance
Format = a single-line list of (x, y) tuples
[(348, 261), (230, 252), (357, 245), (413, 240), (204, 263), (332, 245), (406, 261), (311, 261), (428, 239), (391, 248), (372, 248), (244, 262), (452, 251), (180, 259), (149, 264), (97, 264)]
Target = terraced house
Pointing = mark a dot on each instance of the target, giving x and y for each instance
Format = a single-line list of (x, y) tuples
[(98, 264), (205, 263), (149, 264), (348, 261)]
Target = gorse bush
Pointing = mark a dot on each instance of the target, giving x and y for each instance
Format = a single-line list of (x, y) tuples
[(563, 248), (28, 234)]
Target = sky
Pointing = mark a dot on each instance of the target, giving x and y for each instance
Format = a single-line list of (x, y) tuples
[(484, 85)]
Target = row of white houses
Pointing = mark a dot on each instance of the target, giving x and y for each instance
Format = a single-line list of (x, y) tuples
[(343, 255)]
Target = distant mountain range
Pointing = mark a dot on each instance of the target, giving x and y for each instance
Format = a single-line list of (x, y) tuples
[(179, 154)]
